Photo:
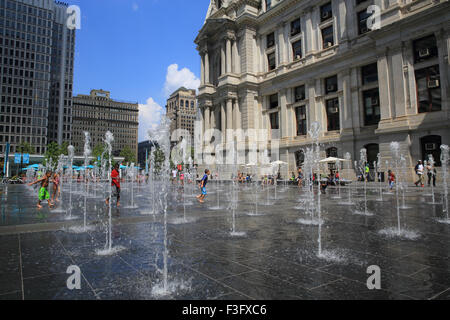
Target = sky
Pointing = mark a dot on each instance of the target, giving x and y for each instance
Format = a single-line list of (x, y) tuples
[(140, 50)]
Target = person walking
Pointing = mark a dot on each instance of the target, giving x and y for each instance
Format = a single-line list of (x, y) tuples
[(174, 176), (431, 173), (419, 171)]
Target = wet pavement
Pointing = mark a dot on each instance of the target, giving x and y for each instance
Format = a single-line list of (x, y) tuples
[(275, 257)]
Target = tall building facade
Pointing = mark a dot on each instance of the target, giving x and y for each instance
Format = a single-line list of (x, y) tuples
[(282, 65), (36, 64), (182, 110), (97, 113)]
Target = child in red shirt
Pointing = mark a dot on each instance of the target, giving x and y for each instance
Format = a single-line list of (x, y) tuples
[(391, 179), (115, 182)]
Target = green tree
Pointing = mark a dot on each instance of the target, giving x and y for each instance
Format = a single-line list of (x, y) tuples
[(159, 159), (128, 154), (25, 147), (64, 148), (98, 151), (52, 154)]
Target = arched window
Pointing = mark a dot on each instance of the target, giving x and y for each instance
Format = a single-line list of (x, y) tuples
[(299, 158), (373, 150), (192, 104), (182, 103), (332, 152), (432, 145)]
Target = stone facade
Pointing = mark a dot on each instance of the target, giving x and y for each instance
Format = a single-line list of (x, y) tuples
[(294, 62), (97, 113)]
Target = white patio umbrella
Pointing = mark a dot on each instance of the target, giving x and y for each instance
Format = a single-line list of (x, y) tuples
[(332, 160), (278, 163)]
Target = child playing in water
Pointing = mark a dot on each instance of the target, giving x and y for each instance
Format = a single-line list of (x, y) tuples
[(391, 179), (182, 178), (56, 187), (203, 183), (115, 182), (43, 191)]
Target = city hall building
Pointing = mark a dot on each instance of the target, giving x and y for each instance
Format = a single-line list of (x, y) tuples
[(281, 65)]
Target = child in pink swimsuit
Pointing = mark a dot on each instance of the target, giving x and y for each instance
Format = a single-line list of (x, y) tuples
[(56, 187)]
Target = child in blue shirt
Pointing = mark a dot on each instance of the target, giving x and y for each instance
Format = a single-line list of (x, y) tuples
[(203, 184)]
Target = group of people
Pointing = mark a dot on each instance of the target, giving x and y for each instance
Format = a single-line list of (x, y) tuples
[(429, 169), (179, 175), (44, 194), (332, 179), (244, 178)]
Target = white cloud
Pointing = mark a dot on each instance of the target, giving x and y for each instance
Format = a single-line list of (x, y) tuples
[(179, 78), (151, 112), (135, 6), (149, 117)]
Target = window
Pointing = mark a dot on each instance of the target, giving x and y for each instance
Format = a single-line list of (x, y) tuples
[(300, 93), (373, 150), (300, 114), (270, 40), (360, 1), (326, 12), (332, 152), (372, 114), (297, 49), (331, 85), (425, 49), (431, 145), (428, 89), (299, 158), (295, 27), (332, 106), (362, 21), (273, 101), (274, 123), (271, 61), (327, 37), (268, 4), (369, 73)]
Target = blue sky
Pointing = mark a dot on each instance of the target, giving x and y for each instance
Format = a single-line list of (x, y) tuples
[(127, 46)]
